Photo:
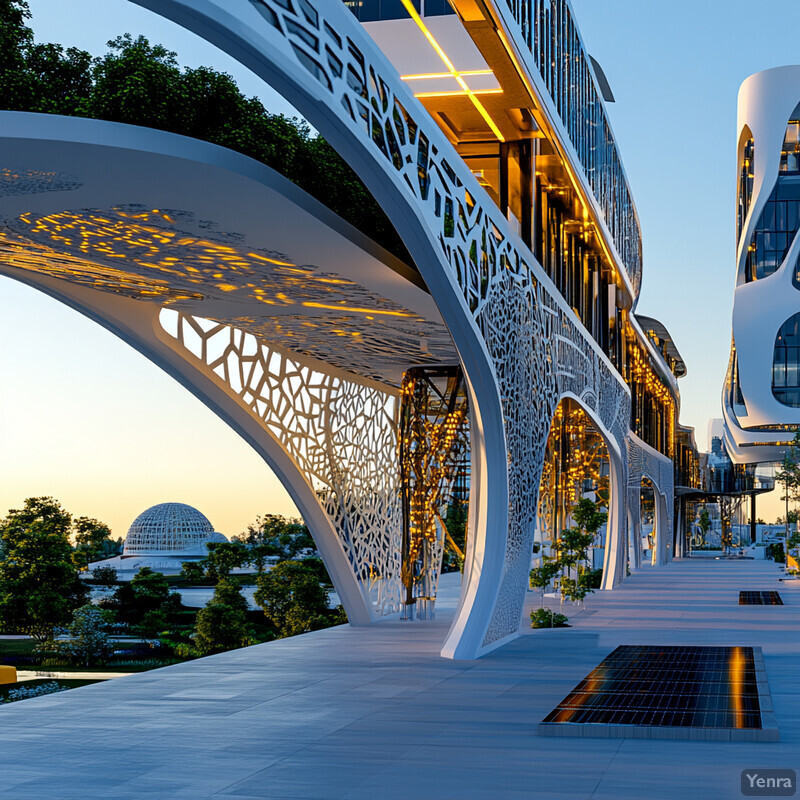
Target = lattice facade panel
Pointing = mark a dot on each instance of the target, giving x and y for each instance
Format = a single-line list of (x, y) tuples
[(340, 434), (647, 463), (537, 349)]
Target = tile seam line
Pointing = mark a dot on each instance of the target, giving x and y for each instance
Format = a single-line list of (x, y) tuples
[(607, 769)]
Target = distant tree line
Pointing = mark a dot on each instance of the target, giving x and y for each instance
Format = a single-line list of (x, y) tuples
[(142, 84), (43, 549)]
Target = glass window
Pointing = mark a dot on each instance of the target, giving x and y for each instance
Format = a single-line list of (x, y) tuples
[(746, 177), (437, 8), (780, 217), (790, 152), (372, 10), (786, 363)]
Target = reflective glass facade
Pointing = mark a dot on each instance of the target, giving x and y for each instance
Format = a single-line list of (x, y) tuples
[(780, 218), (558, 54), (746, 176), (786, 363), (374, 10)]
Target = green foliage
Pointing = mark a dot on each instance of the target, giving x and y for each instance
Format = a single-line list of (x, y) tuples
[(221, 627), (541, 576), (775, 552), (93, 542), (223, 557), (39, 586), (105, 576), (573, 589), (145, 602), (222, 624), (293, 599), (229, 593), (29, 690), (545, 618), (455, 523), (572, 552), (591, 578), (140, 83), (16, 92), (88, 643), (194, 571), (704, 522), (273, 537), (588, 517)]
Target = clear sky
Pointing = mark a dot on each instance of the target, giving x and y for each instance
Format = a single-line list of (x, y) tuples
[(86, 419)]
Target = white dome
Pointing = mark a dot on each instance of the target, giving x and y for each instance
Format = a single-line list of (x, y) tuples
[(170, 529)]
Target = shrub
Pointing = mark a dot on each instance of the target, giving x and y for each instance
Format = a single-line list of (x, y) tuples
[(88, 642), (775, 552), (545, 618), (25, 692), (591, 578)]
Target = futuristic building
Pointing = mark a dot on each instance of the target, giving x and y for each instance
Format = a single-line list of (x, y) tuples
[(509, 337), (162, 538), (761, 397)]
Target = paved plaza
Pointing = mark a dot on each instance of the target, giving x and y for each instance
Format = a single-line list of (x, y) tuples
[(375, 714)]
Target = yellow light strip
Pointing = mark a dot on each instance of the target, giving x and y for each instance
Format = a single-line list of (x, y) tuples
[(358, 310), (453, 71), (428, 75), (457, 94), (270, 260)]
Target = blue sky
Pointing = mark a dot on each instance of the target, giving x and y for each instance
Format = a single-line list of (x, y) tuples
[(86, 419)]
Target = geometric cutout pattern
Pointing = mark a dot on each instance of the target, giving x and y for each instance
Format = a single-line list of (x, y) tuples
[(341, 436), (646, 463), (170, 255), (31, 181), (536, 346)]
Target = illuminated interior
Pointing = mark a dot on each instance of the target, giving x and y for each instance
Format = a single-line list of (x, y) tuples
[(576, 465), (485, 103)]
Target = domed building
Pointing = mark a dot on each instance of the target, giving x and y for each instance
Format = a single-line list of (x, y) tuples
[(170, 530), (162, 538)]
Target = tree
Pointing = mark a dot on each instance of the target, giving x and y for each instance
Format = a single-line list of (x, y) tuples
[(16, 92), (88, 643), (145, 602), (222, 624), (292, 599), (93, 542), (704, 523), (194, 571), (541, 576), (220, 627), (273, 536), (789, 476), (105, 576), (229, 593), (223, 557), (39, 586)]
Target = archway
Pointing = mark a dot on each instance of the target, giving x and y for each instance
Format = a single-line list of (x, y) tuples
[(580, 462)]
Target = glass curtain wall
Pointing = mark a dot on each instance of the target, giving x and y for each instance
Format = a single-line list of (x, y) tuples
[(786, 363), (780, 218)]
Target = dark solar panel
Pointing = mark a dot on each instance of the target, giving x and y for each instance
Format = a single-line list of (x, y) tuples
[(760, 599), (664, 687)]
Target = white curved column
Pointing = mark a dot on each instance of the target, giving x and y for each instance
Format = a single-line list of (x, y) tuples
[(500, 308), (645, 461)]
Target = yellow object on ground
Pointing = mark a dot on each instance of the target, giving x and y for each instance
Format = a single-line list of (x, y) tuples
[(8, 674)]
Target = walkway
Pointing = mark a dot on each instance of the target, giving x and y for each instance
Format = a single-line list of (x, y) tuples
[(374, 714)]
